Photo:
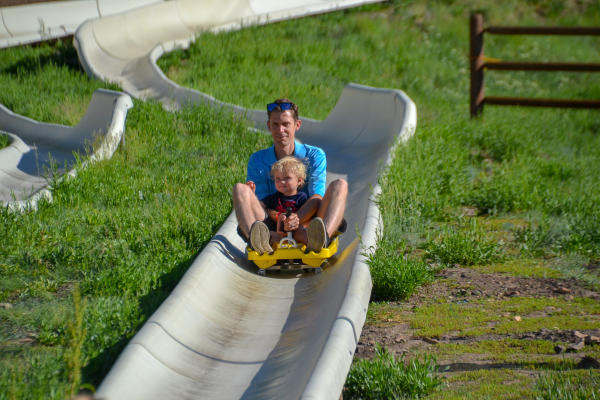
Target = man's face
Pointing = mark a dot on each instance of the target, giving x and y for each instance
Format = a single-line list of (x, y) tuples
[(283, 127)]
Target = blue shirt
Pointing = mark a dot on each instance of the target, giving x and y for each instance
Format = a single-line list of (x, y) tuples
[(259, 170)]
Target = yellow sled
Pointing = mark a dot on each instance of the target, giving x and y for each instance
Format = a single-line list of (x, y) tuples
[(288, 253)]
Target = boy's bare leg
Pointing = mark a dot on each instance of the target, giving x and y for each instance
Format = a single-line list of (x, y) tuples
[(333, 205), (300, 235)]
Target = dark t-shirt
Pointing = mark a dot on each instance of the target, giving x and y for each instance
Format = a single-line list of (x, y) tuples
[(280, 202)]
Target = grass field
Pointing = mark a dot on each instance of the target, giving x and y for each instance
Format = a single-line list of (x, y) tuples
[(81, 275)]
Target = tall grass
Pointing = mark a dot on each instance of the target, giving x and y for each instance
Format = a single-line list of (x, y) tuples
[(124, 230), (580, 385), (386, 377), (127, 228), (4, 140)]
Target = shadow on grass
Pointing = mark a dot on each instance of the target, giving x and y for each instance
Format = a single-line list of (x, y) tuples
[(558, 365), (62, 54), (95, 371)]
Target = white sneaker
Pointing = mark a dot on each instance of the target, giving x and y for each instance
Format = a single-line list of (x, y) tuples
[(317, 235), (259, 237)]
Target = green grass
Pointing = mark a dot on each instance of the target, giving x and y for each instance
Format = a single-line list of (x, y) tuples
[(395, 276), (126, 229), (466, 246), (485, 384), (480, 317), (4, 140), (522, 267), (571, 385), (385, 377)]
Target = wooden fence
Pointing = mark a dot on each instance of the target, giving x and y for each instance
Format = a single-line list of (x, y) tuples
[(479, 63)]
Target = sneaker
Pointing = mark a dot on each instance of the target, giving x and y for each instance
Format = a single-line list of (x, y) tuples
[(317, 235), (259, 237)]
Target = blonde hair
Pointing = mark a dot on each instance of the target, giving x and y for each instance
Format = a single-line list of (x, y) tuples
[(291, 165)]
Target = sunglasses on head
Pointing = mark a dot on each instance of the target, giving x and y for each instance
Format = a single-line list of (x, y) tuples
[(281, 106)]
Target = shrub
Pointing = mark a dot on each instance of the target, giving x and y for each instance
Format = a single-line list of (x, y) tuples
[(568, 386), (394, 275), (387, 378), (464, 246)]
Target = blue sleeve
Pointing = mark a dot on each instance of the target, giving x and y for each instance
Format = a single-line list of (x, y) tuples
[(257, 175), (318, 173)]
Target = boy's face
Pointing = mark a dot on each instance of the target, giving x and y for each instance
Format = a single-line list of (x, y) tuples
[(286, 183)]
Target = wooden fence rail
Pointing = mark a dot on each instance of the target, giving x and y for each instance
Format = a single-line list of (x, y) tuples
[(478, 64)]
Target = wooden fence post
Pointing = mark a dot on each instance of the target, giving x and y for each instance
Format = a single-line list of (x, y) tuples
[(476, 63)]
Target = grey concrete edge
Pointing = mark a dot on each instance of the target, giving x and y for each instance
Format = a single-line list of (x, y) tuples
[(114, 135), (328, 377), (47, 21)]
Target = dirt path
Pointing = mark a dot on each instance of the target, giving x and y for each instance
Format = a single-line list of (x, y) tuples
[(520, 353)]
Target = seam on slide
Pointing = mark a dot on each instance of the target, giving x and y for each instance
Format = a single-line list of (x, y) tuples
[(198, 352)]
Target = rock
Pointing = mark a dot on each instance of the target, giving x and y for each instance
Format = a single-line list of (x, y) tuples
[(469, 211), (400, 339), (559, 348), (580, 335), (517, 318), (6, 306), (592, 339), (574, 348), (588, 362), (430, 340), (562, 290)]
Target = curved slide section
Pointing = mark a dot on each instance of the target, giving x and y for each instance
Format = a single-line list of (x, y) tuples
[(227, 333), (39, 149), (112, 48), (42, 21)]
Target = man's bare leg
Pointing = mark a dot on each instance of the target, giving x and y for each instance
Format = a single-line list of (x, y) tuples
[(249, 210), (333, 205), (329, 216)]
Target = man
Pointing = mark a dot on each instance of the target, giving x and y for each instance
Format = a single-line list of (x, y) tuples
[(326, 205)]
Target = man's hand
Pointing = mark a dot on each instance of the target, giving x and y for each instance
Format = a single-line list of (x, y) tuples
[(251, 185)]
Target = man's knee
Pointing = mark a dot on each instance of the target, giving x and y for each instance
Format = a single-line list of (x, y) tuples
[(338, 187), (241, 191)]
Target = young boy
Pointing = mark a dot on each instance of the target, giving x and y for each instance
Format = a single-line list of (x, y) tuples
[(289, 175)]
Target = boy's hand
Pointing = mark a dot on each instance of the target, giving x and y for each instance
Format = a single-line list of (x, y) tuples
[(291, 223), (251, 185)]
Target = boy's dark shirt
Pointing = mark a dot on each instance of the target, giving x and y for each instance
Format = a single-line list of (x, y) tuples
[(280, 202)]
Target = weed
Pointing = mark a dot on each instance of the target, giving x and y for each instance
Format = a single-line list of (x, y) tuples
[(568, 385), (75, 338), (466, 246), (4, 140), (480, 317), (385, 377), (127, 228), (395, 276)]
